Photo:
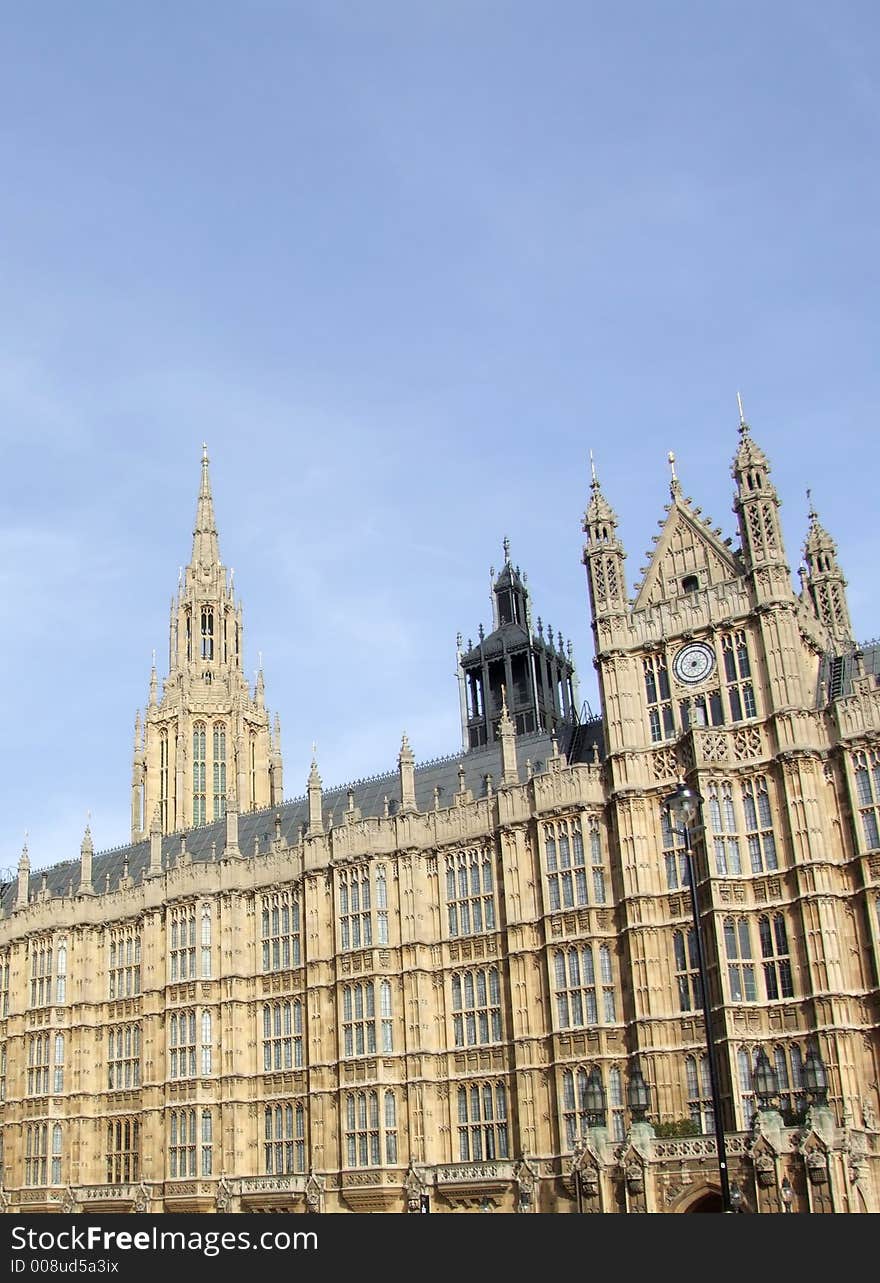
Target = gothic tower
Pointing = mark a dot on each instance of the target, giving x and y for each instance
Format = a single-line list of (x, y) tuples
[(534, 673), (208, 738), (825, 585), (710, 676)]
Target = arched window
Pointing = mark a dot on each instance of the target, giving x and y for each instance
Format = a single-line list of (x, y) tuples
[(746, 1062), (123, 1150), (740, 967), (482, 1122), (282, 1036), (163, 781), (367, 1126), (386, 1015), (219, 746), (206, 943), (470, 893), (58, 1078), (390, 1129), (207, 633), (381, 905), (759, 825), (476, 1007), (55, 1178), (776, 962), (699, 1093), (866, 769), (687, 973), (722, 821), (61, 973), (359, 1019), (199, 769), (284, 1148), (182, 1044), (280, 926), (206, 1042)]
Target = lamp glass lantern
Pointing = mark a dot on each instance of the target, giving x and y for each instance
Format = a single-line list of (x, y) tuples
[(815, 1077), (637, 1096), (594, 1099), (765, 1079)]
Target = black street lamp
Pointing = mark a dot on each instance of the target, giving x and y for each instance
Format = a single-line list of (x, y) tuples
[(637, 1096), (815, 1077), (684, 811), (594, 1099), (766, 1080)]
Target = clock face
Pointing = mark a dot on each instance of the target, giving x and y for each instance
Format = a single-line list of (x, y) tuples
[(694, 663)]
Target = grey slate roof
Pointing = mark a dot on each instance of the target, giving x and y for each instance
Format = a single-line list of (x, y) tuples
[(256, 829)]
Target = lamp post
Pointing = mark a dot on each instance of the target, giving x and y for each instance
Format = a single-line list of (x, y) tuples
[(684, 808)]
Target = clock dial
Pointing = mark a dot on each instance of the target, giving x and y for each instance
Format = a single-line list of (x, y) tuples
[(694, 663)]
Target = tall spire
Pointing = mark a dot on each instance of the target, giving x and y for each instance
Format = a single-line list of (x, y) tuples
[(203, 722), (206, 548)]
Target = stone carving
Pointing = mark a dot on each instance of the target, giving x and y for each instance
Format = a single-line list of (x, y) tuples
[(765, 1172), (817, 1166), (314, 1193)]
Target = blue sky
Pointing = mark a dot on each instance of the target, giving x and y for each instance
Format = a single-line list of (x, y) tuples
[(402, 266)]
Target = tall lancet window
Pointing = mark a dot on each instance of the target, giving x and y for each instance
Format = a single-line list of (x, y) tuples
[(207, 633), (199, 804), (219, 770), (163, 780)]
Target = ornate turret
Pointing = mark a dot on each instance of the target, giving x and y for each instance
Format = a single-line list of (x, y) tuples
[(536, 671), (207, 732), (316, 823), (406, 769), (604, 556), (155, 845), (24, 877), (86, 852), (756, 505), (507, 736), (825, 584)]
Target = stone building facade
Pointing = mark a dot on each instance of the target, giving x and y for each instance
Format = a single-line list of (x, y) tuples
[(404, 995)]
